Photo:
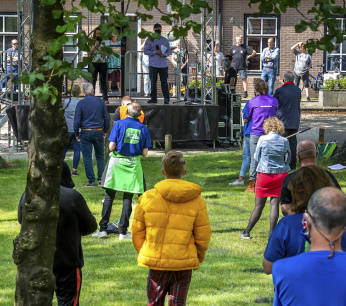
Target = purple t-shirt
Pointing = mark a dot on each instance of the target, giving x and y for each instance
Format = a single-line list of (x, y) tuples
[(261, 108)]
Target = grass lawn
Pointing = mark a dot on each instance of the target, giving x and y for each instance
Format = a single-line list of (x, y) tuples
[(230, 275)]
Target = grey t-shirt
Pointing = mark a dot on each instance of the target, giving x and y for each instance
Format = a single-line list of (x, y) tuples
[(303, 62), (70, 109)]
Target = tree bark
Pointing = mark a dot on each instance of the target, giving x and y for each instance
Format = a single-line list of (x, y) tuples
[(34, 247)]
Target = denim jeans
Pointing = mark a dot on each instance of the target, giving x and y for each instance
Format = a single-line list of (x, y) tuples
[(88, 140), (76, 149), (293, 146), (269, 76), (253, 163), (246, 156), (163, 72), (5, 80)]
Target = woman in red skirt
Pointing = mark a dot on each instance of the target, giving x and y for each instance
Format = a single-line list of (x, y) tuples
[(273, 156)]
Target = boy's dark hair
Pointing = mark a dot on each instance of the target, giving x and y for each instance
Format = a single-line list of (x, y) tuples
[(157, 25), (173, 163), (229, 57)]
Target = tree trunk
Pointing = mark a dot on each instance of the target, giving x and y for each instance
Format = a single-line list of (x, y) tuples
[(34, 247)]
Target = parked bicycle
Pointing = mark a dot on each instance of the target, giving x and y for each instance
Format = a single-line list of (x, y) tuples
[(316, 83)]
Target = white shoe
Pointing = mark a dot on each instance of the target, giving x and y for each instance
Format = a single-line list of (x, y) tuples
[(126, 236), (99, 234), (236, 182)]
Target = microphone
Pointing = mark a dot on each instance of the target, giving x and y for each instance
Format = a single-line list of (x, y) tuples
[(157, 47)]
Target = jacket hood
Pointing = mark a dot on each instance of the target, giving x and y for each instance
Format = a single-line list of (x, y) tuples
[(66, 179), (176, 190)]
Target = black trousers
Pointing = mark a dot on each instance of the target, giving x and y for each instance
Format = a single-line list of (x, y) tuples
[(293, 146), (101, 69), (163, 72), (68, 285), (107, 210)]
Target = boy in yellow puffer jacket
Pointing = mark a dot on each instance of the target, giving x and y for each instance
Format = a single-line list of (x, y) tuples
[(171, 233)]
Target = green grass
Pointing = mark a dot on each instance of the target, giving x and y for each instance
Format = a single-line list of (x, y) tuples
[(230, 275)]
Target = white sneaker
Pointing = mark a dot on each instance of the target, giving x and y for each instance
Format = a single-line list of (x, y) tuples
[(99, 234), (236, 182), (126, 236)]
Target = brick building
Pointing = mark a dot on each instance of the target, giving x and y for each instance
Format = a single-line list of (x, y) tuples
[(237, 19)]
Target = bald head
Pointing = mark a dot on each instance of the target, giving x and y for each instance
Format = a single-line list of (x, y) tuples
[(306, 151), (328, 208)]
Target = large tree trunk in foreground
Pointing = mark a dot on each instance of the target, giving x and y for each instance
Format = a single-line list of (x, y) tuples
[(34, 247)]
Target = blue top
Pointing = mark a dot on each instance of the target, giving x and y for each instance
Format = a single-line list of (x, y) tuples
[(130, 137), (91, 113), (260, 108), (286, 240), (150, 48), (273, 154), (70, 108), (247, 125), (310, 278), (274, 55)]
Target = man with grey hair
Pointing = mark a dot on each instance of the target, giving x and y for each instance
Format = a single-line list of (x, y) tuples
[(289, 96), (91, 124), (316, 277), (128, 141)]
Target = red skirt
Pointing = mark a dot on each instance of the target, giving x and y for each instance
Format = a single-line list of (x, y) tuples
[(269, 185)]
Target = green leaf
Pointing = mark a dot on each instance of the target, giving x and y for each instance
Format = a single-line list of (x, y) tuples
[(61, 29), (53, 99), (48, 2), (57, 44), (56, 13)]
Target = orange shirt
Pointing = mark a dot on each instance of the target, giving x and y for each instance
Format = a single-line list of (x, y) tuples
[(123, 113)]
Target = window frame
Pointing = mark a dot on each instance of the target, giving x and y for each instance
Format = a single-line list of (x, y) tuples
[(70, 34), (261, 36), (3, 33)]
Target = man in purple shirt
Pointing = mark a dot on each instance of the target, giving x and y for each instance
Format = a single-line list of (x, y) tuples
[(260, 108), (158, 50)]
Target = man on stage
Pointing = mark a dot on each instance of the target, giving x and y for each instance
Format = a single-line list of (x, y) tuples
[(129, 139), (158, 51)]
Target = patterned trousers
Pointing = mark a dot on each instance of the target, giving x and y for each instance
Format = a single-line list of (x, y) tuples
[(175, 283)]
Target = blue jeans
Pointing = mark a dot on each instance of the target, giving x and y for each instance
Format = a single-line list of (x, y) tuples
[(87, 141), (269, 76), (76, 149), (5, 79), (253, 164), (246, 156)]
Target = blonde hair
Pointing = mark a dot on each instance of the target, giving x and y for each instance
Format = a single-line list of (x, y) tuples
[(174, 164), (273, 124)]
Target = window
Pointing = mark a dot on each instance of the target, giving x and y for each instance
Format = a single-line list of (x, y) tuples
[(8, 31), (336, 59), (257, 33), (71, 51)]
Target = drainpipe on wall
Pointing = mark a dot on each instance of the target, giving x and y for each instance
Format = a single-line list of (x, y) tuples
[(220, 25)]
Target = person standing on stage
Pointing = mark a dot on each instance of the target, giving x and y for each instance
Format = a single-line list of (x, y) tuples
[(99, 60), (240, 56), (158, 51), (114, 61), (92, 118), (184, 58), (12, 67), (230, 72), (270, 61), (145, 69)]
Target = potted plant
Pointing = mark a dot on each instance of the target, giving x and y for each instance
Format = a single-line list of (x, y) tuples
[(333, 93)]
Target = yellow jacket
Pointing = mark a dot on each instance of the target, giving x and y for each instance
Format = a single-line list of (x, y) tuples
[(171, 229)]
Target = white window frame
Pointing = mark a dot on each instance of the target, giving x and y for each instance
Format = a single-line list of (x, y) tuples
[(3, 33), (76, 52), (262, 35), (341, 54)]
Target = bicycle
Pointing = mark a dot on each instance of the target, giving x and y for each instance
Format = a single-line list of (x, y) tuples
[(317, 83)]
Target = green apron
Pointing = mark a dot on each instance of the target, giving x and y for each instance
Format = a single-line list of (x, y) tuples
[(123, 173)]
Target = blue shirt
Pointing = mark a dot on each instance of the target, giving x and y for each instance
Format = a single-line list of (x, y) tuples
[(274, 55), (91, 113), (272, 153), (247, 125), (310, 278), (156, 60), (70, 108), (130, 136)]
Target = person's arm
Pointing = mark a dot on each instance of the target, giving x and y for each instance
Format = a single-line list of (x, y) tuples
[(145, 152), (105, 119), (112, 145), (77, 120), (147, 48), (293, 48), (245, 110), (86, 219), (233, 77), (275, 55), (202, 230), (251, 55), (138, 226), (263, 56), (286, 197), (257, 154), (250, 111), (267, 266)]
